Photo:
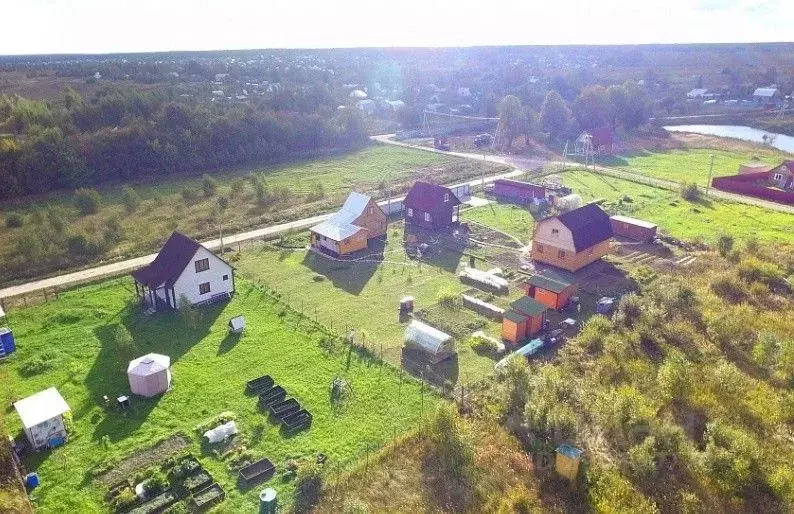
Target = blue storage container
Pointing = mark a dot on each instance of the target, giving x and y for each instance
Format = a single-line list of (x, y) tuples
[(7, 345), (32, 480)]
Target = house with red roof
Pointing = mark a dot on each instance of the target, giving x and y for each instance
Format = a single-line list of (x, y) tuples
[(183, 268), (574, 239), (431, 206), (783, 176)]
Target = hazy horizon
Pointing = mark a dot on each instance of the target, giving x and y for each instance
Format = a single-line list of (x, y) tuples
[(95, 27)]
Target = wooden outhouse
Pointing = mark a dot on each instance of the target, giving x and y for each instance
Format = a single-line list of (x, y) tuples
[(554, 290), (525, 318)]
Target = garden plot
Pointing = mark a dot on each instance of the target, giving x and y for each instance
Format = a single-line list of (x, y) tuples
[(210, 368)]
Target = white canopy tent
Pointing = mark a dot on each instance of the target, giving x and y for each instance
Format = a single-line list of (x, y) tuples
[(149, 375), (42, 417)]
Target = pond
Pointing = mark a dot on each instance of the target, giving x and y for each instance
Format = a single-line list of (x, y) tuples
[(779, 141)]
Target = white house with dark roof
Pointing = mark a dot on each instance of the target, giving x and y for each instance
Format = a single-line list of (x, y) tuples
[(184, 267), (359, 221)]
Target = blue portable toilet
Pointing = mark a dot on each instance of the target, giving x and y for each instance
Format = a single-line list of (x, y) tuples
[(32, 480), (7, 345)]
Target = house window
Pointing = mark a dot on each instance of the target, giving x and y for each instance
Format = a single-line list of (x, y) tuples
[(561, 254), (555, 232), (778, 176), (539, 248), (427, 216), (446, 197), (226, 277), (370, 210), (410, 212), (204, 288), (202, 265)]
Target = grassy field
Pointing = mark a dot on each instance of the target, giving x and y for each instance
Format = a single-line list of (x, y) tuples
[(43, 242), (72, 340), (704, 220), (690, 165), (364, 296)]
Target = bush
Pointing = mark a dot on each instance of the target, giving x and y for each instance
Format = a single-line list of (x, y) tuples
[(156, 483), (308, 486), (447, 297), (209, 186), (126, 498), (725, 244), (37, 364), (484, 346), (114, 232), (642, 459), (14, 220), (237, 188), (80, 246), (729, 289), (57, 218), (629, 310), (130, 199), (190, 195), (690, 191), (87, 201)]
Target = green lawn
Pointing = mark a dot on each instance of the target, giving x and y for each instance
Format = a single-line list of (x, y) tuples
[(690, 165), (74, 337), (42, 244), (705, 220), (510, 219), (365, 296)]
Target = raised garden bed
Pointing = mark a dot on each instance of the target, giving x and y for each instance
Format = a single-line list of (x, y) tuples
[(297, 421), (189, 465), (257, 472), (259, 385), (274, 395), (284, 408), (157, 504), (197, 482), (208, 497)]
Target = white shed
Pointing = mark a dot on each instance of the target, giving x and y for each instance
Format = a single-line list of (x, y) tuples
[(237, 325), (149, 375), (42, 418), (435, 343)]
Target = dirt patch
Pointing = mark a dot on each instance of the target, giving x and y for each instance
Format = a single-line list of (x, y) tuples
[(144, 459)]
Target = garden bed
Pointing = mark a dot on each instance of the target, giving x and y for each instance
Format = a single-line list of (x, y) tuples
[(157, 504), (257, 472), (207, 498)]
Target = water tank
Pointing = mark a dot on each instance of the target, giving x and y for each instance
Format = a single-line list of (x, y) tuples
[(267, 501), (31, 480)]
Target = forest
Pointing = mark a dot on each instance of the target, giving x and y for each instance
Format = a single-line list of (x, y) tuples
[(123, 133)]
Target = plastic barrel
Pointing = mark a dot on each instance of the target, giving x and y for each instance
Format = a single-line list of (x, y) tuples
[(267, 501), (31, 480)]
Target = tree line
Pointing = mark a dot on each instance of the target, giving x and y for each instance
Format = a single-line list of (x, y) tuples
[(123, 132), (624, 106)]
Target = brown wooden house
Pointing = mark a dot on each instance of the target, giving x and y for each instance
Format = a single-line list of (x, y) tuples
[(554, 290), (525, 318), (431, 206), (359, 221), (572, 240)]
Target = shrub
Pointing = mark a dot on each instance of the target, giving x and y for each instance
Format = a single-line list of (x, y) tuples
[(690, 191), (190, 195), (484, 346), (114, 232), (447, 297), (729, 289), (126, 498), (317, 192), (156, 483), (14, 220), (37, 364), (629, 310), (209, 186), (57, 218), (80, 246), (753, 269), (130, 199), (641, 459), (308, 486), (87, 201), (340, 391), (725, 244), (237, 188)]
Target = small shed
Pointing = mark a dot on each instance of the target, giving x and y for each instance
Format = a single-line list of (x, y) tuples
[(433, 342), (149, 375), (552, 289), (42, 418), (524, 318), (518, 191), (7, 343), (633, 228), (567, 461), (237, 325)]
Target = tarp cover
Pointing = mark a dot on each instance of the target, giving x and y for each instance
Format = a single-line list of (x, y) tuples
[(221, 432)]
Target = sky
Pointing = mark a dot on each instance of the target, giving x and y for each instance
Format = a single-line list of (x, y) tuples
[(108, 26)]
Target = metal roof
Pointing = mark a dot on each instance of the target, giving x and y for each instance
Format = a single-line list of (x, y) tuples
[(528, 306), (428, 338), (514, 316), (765, 91), (340, 226), (634, 221), (550, 281), (40, 407), (169, 263), (427, 197), (589, 225)]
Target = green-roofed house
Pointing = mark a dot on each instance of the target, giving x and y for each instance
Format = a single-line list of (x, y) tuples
[(552, 289), (524, 318)]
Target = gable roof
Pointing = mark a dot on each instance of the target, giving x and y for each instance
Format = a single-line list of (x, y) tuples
[(528, 306), (426, 196), (340, 226), (169, 263), (766, 92), (550, 281), (589, 225)]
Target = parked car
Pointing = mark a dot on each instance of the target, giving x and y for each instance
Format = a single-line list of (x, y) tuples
[(483, 140)]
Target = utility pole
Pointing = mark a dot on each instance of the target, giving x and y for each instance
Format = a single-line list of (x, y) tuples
[(711, 170)]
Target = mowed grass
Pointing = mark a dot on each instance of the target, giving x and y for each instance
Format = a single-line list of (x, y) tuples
[(692, 164), (364, 296), (513, 220), (74, 334), (296, 190)]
